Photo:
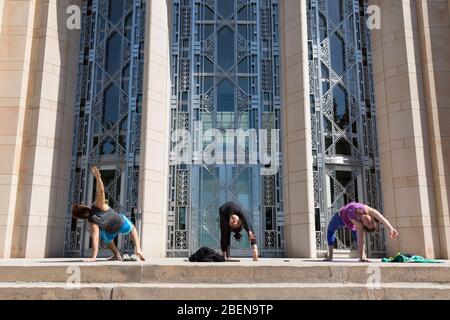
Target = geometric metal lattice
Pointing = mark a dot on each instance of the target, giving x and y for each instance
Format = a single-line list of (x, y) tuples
[(225, 73), (343, 119), (107, 111)]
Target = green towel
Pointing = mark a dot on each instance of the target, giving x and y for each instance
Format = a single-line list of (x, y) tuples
[(409, 258)]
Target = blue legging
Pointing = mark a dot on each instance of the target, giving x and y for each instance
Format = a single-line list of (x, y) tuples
[(335, 224)]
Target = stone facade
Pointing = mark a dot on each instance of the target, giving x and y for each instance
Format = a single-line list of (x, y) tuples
[(38, 72)]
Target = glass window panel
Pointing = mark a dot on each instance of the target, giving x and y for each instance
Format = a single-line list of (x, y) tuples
[(243, 13), (344, 177), (225, 96), (111, 106), (317, 216), (123, 140), (207, 181), (226, 120), (269, 219), (343, 148), (208, 83), (337, 54), (244, 188), (225, 8), (323, 28), (108, 147), (244, 121), (328, 141), (244, 83), (242, 30), (327, 125), (115, 10), (209, 30), (208, 66), (126, 78), (225, 48), (181, 219), (325, 79), (209, 14), (335, 10), (341, 112), (113, 55), (243, 66), (128, 26)]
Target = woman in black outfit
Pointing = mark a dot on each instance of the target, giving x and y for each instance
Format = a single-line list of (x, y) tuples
[(233, 219)]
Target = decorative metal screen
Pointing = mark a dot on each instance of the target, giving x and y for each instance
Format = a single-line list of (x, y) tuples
[(107, 111), (225, 73), (343, 119)]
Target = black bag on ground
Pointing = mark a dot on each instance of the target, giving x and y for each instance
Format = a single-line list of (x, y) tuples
[(205, 254)]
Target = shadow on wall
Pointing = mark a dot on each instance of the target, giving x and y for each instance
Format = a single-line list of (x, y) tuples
[(437, 99)]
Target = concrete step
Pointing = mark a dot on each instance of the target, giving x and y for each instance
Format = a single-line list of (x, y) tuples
[(179, 271), (262, 291)]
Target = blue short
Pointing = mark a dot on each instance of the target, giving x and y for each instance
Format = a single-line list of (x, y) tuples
[(126, 227), (335, 224)]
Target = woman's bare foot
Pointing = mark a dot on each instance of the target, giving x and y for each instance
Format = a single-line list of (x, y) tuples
[(328, 258)]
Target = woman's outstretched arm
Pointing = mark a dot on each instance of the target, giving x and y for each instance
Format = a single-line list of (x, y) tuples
[(377, 215)]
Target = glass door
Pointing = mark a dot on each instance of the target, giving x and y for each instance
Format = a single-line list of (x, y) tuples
[(215, 186)]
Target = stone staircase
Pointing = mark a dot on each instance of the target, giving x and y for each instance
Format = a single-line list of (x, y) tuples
[(176, 279)]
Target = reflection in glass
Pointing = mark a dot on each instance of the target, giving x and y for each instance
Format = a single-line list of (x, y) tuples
[(343, 148), (341, 114), (108, 147), (115, 10), (225, 8), (225, 96), (335, 10), (113, 53), (111, 106), (337, 54)]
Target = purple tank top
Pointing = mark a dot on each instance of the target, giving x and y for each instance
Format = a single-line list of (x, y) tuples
[(348, 213)]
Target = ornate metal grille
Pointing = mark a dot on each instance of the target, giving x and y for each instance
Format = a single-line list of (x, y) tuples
[(225, 73), (346, 162), (107, 111)]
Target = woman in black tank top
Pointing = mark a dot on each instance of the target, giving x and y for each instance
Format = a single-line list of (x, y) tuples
[(233, 220), (108, 220), (102, 218)]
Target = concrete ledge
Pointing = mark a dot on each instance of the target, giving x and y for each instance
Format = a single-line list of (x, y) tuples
[(275, 291), (179, 271)]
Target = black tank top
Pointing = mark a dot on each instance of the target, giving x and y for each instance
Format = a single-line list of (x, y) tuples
[(109, 220)]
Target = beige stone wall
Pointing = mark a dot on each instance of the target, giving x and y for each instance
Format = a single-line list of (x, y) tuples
[(406, 95), (153, 179), (2, 5), (38, 73), (15, 51), (297, 149)]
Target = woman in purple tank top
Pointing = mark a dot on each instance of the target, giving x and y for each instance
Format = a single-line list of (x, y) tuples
[(359, 218)]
